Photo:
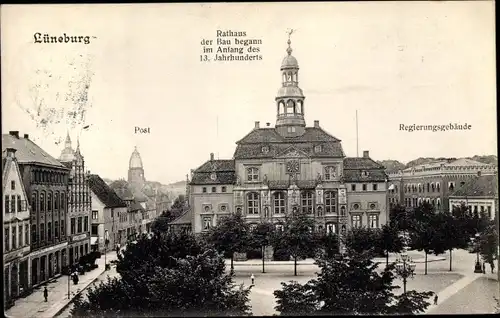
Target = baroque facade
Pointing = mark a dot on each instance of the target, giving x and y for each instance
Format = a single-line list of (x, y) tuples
[(79, 203), (290, 167), (16, 223), (45, 180)]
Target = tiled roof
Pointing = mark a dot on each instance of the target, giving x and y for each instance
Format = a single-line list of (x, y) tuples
[(122, 188), (355, 175), (224, 171), (361, 163), (483, 186), (185, 218), (136, 206), (28, 151), (67, 164), (4, 161), (216, 165), (107, 196), (270, 135), (250, 151)]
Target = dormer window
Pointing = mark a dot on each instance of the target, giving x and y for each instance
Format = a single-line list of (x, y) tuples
[(265, 149), (365, 173), (253, 174), (317, 148)]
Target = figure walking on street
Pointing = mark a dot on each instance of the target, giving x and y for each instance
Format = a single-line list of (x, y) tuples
[(45, 293), (492, 265), (484, 268), (253, 279), (436, 299)]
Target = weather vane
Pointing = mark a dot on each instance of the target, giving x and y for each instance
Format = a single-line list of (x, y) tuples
[(290, 31)]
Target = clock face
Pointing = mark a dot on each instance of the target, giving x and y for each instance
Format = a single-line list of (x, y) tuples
[(292, 166)]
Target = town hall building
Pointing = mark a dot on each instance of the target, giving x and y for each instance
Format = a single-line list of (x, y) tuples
[(290, 167)]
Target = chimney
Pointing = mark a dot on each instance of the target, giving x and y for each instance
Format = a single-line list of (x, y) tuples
[(257, 125), (212, 156), (11, 152), (268, 124), (26, 136), (316, 124), (366, 154), (14, 133)]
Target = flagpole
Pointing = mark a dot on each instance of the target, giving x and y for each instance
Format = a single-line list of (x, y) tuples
[(217, 138), (357, 138)]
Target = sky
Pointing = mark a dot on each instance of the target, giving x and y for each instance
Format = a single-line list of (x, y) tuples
[(423, 63)]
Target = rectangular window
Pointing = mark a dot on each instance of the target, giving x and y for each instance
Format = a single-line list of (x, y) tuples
[(207, 222), (330, 173), (26, 234), (86, 224), (253, 174), (7, 204), (353, 187), (204, 189), (374, 187), (20, 235), (373, 221), (63, 233), (14, 237), (94, 215), (49, 231), (13, 204), (364, 187), (356, 221), (34, 236), (19, 204), (56, 229), (223, 189), (6, 239), (72, 229), (214, 189), (94, 229), (489, 211), (13, 185), (112, 213), (80, 225)]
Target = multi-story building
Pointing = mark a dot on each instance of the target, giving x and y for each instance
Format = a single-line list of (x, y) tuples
[(45, 180), (281, 169), (79, 203), (135, 208), (16, 223), (109, 215), (434, 182), (479, 194)]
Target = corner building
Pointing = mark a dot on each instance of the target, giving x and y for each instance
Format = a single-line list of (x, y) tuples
[(291, 167)]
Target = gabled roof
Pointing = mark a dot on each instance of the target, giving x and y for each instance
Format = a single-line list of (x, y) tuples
[(7, 163), (217, 166), (185, 218), (28, 152), (122, 189), (105, 194), (223, 169), (254, 150), (483, 186), (136, 206), (361, 163)]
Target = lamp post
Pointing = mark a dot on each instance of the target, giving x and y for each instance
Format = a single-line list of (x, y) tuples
[(106, 242), (405, 268), (475, 241)]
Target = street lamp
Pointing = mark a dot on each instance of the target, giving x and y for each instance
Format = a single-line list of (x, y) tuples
[(475, 241), (405, 268), (106, 242)]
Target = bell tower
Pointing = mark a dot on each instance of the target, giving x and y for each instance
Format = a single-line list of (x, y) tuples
[(290, 120)]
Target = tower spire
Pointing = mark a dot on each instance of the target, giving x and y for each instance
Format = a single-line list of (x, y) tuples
[(68, 140), (289, 42)]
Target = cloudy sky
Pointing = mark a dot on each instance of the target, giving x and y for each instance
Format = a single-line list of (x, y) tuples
[(395, 63)]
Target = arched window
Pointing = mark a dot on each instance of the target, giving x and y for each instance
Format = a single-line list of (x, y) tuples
[(419, 187), (63, 207), (330, 202), (433, 187), (253, 203), (290, 107), (289, 76), (438, 187), (438, 203), (34, 237), (428, 187), (284, 77), (281, 107), (56, 201), (279, 203), (307, 201), (42, 202), (320, 211), (34, 206), (49, 201), (342, 210), (300, 109)]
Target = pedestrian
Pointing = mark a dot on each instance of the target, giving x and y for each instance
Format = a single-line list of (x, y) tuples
[(484, 268), (45, 293), (492, 265), (253, 279), (436, 299)]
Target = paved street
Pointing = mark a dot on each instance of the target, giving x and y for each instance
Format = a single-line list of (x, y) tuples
[(34, 304)]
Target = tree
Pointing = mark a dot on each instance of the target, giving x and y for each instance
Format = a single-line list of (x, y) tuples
[(329, 242), (488, 245), (230, 235), (389, 240), (361, 239), (195, 286), (346, 286), (162, 223), (261, 237), (297, 236)]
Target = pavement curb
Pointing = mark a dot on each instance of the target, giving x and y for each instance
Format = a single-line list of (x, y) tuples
[(59, 311), (271, 263)]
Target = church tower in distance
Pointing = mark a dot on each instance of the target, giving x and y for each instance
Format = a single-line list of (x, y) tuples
[(136, 170)]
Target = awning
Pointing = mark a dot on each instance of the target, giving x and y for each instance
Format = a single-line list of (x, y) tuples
[(93, 240)]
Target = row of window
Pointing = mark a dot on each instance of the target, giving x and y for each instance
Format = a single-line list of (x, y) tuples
[(214, 189), (81, 197), (46, 232), (364, 187), (414, 202), (477, 208), (49, 177), (16, 235), (329, 172), (81, 227), (290, 108), (430, 187), (42, 202), (13, 204)]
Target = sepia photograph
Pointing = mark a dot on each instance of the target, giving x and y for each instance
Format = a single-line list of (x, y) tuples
[(249, 159)]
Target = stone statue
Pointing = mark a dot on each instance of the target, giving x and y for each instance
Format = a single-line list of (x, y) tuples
[(265, 179), (319, 178), (238, 180)]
